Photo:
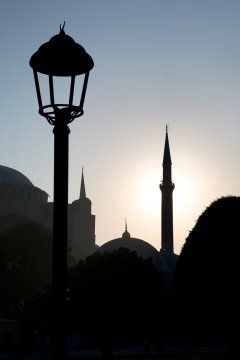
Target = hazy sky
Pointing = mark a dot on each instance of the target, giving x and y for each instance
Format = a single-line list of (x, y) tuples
[(157, 62)]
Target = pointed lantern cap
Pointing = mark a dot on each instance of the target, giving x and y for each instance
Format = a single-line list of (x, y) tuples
[(61, 56)]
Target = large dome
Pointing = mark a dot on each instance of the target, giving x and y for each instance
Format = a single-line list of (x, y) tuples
[(12, 176)]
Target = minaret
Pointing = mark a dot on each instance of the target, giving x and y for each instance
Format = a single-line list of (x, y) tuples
[(167, 188), (81, 225)]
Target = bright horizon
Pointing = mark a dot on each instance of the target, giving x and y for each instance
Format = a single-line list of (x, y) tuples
[(157, 62)]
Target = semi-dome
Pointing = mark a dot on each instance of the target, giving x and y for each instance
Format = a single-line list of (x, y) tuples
[(9, 175)]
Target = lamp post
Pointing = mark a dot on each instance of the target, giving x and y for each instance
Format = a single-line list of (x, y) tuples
[(61, 57)]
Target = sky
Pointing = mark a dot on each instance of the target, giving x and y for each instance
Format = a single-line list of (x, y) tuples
[(157, 63)]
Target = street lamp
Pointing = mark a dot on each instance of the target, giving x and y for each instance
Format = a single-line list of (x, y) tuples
[(60, 58)]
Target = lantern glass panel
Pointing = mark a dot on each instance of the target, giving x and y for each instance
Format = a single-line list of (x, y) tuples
[(78, 89), (44, 88), (61, 88)]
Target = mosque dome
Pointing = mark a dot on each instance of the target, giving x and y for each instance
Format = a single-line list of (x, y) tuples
[(12, 176), (16, 188), (141, 247)]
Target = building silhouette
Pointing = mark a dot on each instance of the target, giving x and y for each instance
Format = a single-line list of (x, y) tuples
[(165, 259), (20, 200)]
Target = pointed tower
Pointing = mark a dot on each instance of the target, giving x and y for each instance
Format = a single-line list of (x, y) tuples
[(167, 188), (82, 188), (81, 225)]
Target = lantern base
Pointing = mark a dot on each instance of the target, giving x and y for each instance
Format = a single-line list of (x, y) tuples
[(63, 111)]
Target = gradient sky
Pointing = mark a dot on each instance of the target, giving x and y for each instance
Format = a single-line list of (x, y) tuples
[(157, 62)]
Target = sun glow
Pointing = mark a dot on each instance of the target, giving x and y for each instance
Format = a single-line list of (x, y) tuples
[(183, 195), (149, 194)]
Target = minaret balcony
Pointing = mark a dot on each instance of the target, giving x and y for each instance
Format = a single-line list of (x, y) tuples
[(167, 185)]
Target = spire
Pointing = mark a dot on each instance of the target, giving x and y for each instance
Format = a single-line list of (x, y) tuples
[(82, 188), (126, 233), (167, 156)]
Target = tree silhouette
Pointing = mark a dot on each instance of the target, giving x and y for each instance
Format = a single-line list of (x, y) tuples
[(116, 296), (25, 263), (205, 283)]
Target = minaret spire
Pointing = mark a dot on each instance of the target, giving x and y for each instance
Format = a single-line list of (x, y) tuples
[(167, 187), (167, 156), (82, 187)]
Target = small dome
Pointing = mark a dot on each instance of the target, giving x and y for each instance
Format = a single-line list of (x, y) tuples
[(141, 247), (9, 175)]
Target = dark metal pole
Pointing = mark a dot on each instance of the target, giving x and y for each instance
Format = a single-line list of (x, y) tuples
[(60, 235)]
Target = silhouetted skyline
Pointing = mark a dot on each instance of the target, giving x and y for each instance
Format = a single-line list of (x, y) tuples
[(156, 63)]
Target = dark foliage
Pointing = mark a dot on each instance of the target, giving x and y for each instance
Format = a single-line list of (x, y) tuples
[(116, 296), (25, 265), (205, 287)]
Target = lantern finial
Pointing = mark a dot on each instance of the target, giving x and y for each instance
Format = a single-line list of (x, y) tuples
[(62, 28)]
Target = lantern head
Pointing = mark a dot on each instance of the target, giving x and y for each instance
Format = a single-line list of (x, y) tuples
[(61, 57)]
